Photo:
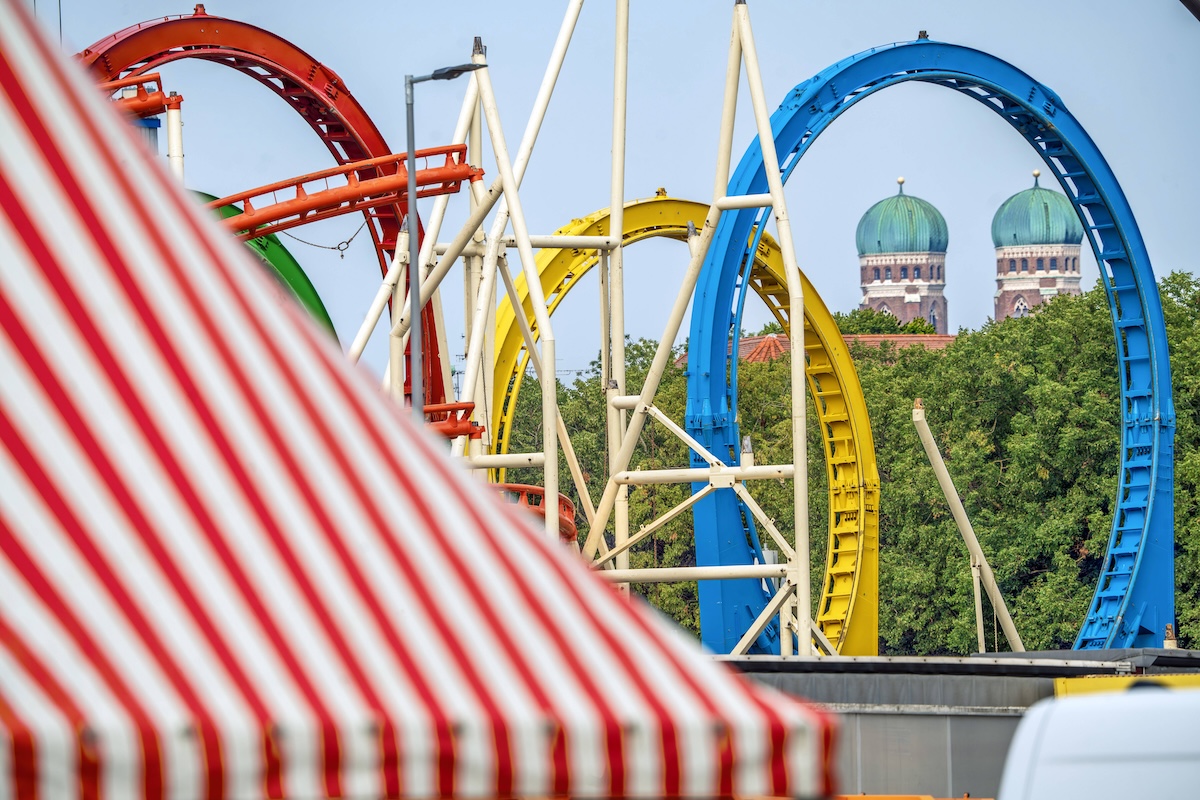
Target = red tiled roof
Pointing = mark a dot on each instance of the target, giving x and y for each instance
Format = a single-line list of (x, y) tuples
[(931, 341), (759, 349)]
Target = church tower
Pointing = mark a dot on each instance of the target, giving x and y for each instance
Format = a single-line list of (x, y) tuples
[(901, 257), (1037, 236)]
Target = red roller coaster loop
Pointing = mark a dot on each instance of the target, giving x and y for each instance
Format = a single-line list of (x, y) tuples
[(313, 90)]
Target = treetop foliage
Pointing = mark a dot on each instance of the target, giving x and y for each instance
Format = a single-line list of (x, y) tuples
[(1027, 415)]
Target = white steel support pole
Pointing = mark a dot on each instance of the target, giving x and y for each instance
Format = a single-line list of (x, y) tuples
[(605, 335), (595, 538), (435, 224), (783, 228), (978, 607), (416, 374), (531, 353), (536, 298), (964, 528), (524, 152), (482, 391), (616, 230), (175, 135), (395, 369)]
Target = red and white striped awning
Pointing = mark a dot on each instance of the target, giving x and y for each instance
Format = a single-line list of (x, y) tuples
[(229, 567)]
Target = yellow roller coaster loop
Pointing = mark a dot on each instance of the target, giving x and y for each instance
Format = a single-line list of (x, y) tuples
[(850, 589)]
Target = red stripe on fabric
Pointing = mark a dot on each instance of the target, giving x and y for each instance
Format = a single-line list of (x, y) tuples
[(331, 748), (100, 568), (40, 585), (88, 767), (560, 779), (49, 491), (367, 501), (829, 740), (24, 753), (485, 606), (273, 771), (670, 743), (64, 288)]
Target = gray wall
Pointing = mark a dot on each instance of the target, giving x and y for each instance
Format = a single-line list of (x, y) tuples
[(942, 735)]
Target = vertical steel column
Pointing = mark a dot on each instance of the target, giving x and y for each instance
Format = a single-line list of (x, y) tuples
[(524, 152), (175, 135), (616, 228), (799, 568), (536, 297), (965, 529)]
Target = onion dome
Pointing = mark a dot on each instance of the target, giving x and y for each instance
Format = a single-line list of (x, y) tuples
[(901, 224), (1036, 216)]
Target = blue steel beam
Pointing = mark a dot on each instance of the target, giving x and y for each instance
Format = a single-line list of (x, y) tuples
[(1134, 597)]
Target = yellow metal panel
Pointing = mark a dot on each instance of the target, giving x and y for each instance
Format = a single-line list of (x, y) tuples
[(1092, 684), (850, 589)]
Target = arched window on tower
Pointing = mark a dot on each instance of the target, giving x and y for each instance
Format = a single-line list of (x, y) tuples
[(1041, 265), (1054, 264), (916, 273), (883, 309), (1024, 265), (887, 273), (904, 273), (933, 317), (1012, 265), (1020, 308), (877, 273)]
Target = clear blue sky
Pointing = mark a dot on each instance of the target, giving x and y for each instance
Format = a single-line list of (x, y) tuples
[(1129, 71)]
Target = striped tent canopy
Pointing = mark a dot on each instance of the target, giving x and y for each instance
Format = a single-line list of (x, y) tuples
[(229, 567)]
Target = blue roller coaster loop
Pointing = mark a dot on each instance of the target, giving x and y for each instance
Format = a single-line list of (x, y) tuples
[(1134, 596)]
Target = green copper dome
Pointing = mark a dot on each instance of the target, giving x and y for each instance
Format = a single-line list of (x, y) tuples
[(901, 224), (1036, 216)]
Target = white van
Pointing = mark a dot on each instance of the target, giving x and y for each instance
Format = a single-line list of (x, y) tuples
[(1143, 742)]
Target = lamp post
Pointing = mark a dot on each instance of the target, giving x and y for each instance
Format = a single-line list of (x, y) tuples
[(416, 369)]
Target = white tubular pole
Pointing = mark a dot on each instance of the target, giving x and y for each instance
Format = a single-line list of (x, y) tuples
[(487, 200), (175, 135), (507, 460), (651, 527), (783, 228), (528, 139), (744, 201), (965, 529), (684, 574), (684, 436), (653, 377), (375, 311), (536, 298), (978, 607), (698, 252), (395, 368), (728, 475), (768, 523), (501, 268), (482, 390), (772, 608), (616, 230)]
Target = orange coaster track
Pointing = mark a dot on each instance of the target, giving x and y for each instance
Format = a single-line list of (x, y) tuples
[(287, 204), (313, 90)]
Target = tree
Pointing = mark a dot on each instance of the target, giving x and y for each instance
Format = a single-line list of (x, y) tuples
[(1027, 414), (870, 321)]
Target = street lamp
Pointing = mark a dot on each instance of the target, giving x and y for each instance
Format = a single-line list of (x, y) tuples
[(416, 369)]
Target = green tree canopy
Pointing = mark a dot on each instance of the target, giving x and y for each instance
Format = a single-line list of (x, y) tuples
[(1026, 412), (870, 321)]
